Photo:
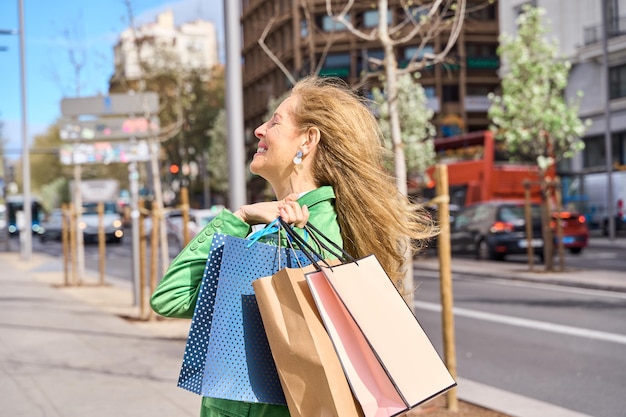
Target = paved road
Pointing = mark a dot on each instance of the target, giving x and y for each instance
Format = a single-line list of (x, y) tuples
[(553, 343)]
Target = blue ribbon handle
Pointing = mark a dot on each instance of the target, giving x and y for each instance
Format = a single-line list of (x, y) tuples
[(270, 229)]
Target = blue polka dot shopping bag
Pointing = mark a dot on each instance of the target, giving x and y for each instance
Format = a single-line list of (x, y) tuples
[(227, 353)]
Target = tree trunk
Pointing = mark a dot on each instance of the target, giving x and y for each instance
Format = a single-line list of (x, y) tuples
[(548, 239), (391, 88)]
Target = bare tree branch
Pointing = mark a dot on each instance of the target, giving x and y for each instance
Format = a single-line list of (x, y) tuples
[(457, 25), (341, 18), (271, 54)]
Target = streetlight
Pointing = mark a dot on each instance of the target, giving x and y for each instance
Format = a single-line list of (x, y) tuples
[(25, 238)]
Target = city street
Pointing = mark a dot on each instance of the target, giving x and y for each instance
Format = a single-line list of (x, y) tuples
[(558, 344)]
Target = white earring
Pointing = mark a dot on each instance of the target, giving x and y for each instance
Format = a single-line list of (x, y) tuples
[(297, 160)]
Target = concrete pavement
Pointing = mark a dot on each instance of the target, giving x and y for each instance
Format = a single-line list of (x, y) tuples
[(76, 351), (576, 277), (67, 352)]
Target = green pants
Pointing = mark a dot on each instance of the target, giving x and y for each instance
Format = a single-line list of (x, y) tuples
[(214, 407)]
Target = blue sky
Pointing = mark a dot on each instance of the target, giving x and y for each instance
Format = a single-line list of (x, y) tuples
[(92, 29)]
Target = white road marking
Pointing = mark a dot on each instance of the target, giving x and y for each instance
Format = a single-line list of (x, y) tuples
[(531, 324)]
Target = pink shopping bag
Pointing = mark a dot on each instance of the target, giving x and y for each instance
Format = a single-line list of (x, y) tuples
[(389, 361)]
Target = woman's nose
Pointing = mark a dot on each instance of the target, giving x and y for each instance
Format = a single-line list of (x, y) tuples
[(259, 132)]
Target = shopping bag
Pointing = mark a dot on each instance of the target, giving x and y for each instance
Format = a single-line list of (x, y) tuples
[(191, 372), (310, 373), (227, 354), (388, 359)]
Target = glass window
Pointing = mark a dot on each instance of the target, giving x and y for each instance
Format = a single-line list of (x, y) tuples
[(375, 53), (481, 49), (594, 154), (479, 90), (304, 29), (450, 93), (482, 213), (370, 18), (487, 12), (329, 25), (337, 60), (410, 51), (464, 217), (617, 81), (622, 148), (419, 12)]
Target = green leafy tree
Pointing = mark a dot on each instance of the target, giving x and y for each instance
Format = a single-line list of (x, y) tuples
[(417, 131), (532, 116), (217, 162), (45, 165)]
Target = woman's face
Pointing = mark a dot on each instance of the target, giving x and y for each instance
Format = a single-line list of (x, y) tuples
[(279, 141)]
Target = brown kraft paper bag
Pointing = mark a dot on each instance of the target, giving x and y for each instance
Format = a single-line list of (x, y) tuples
[(308, 367)]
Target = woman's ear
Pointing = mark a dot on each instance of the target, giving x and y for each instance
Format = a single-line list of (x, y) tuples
[(312, 139)]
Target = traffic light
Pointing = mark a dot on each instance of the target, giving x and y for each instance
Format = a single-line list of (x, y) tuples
[(174, 169)]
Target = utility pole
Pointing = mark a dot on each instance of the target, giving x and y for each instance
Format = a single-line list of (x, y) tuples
[(608, 150), (234, 104), (26, 233)]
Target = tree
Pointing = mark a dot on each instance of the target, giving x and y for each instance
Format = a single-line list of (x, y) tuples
[(217, 161), (415, 117), (532, 116), (427, 21)]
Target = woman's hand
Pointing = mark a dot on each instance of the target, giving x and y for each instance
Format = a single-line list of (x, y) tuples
[(264, 212), (291, 212)]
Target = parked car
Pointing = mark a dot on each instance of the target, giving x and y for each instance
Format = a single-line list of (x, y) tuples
[(495, 229), (112, 219), (574, 228), (52, 226)]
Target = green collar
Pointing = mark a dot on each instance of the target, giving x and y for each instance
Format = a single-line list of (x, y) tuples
[(323, 193)]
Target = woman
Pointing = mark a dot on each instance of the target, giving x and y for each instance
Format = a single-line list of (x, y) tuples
[(322, 154)]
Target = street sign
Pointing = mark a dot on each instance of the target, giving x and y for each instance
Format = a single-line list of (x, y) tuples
[(104, 152), (113, 104), (110, 128)]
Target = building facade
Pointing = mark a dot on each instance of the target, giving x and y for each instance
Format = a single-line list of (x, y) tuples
[(299, 38), (192, 45), (578, 25)]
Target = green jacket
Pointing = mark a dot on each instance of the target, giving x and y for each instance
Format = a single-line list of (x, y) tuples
[(177, 293)]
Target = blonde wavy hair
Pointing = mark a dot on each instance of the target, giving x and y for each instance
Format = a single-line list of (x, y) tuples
[(374, 217)]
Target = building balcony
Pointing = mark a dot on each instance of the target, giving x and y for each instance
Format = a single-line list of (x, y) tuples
[(615, 28), (593, 47)]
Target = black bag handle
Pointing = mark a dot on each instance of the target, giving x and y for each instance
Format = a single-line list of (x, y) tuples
[(310, 252), (303, 246), (343, 256)]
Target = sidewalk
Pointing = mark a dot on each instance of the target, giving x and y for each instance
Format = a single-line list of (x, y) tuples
[(596, 279), (79, 351), (65, 352)]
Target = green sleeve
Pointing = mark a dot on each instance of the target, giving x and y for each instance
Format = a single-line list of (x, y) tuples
[(177, 293)]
